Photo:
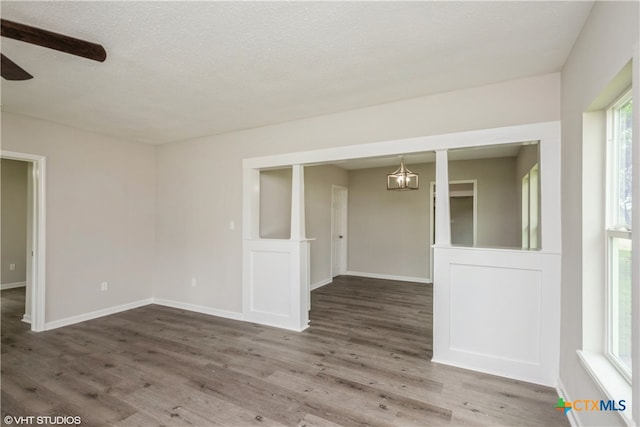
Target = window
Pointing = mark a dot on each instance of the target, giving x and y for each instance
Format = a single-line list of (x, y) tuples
[(530, 211), (618, 234)]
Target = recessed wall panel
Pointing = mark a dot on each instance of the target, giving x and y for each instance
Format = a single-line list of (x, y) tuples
[(271, 282), (495, 312)]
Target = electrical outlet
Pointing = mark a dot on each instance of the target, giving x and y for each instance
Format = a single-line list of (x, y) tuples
[(193, 282), (12, 267), (104, 286)]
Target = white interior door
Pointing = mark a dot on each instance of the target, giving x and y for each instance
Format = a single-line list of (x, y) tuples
[(339, 217)]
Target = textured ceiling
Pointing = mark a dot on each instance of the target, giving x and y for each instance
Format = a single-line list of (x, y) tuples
[(178, 70)]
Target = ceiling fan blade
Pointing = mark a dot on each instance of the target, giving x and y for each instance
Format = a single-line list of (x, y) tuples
[(12, 71), (53, 40)]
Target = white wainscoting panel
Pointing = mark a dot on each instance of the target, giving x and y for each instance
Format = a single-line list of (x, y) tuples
[(276, 283), (270, 276), (498, 311), (508, 326)]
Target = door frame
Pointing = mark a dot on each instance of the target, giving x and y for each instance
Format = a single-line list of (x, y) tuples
[(38, 235), (432, 229), (345, 226)]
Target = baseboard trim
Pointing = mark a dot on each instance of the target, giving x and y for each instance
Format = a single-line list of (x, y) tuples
[(26, 318), (68, 321), (12, 285), (233, 315), (389, 277), (321, 283), (96, 314), (571, 415), (533, 378)]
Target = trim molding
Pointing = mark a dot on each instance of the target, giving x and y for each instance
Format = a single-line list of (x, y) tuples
[(608, 380), (95, 314), (464, 364), (389, 277), (39, 236), (233, 315), (321, 283), (68, 321), (12, 285), (26, 318)]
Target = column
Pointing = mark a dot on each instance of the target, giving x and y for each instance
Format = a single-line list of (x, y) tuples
[(443, 216)]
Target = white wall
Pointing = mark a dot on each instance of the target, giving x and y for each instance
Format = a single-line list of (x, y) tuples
[(382, 221), (14, 221), (192, 234), (389, 230), (318, 181), (100, 214), (498, 220), (606, 43)]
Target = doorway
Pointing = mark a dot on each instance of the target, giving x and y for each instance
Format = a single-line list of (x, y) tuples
[(15, 251), (339, 217), (35, 247), (463, 204)]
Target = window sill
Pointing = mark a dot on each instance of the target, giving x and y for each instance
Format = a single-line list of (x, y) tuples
[(609, 380)]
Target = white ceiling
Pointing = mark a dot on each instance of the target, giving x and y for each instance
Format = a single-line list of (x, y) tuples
[(178, 70)]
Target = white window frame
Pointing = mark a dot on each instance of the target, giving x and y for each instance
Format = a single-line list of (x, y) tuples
[(612, 231), (525, 211), (534, 206), (530, 208)]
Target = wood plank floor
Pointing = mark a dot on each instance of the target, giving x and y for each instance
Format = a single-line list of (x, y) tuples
[(363, 361)]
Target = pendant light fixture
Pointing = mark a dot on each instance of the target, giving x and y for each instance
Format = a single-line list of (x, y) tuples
[(402, 178)]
